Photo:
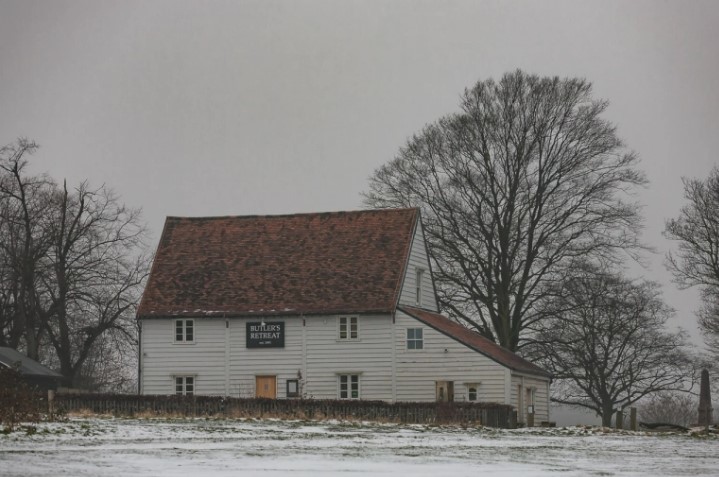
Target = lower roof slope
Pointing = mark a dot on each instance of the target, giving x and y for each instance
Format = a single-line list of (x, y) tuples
[(338, 262), (475, 341), (25, 366)]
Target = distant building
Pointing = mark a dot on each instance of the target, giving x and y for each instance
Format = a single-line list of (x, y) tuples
[(32, 372), (325, 305)]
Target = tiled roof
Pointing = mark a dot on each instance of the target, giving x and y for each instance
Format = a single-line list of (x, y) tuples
[(474, 340), (26, 366), (337, 262)]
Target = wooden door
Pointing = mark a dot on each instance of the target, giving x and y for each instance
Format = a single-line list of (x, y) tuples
[(266, 387), (445, 391)]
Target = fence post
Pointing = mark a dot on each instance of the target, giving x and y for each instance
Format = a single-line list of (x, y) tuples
[(51, 403), (619, 424), (633, 418)]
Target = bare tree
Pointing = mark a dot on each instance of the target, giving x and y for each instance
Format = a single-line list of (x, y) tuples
[(606, 343), (23, 219), (96, 274), (697, 260), (72, 264), (523, 181)]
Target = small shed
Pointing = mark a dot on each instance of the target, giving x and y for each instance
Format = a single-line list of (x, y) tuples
[(34, 373)]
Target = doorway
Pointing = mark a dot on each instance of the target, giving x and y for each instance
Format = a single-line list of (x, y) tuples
[(445, 391), (266, 387)]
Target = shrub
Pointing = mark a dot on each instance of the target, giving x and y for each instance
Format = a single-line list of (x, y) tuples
[(679, 409), (19, 402)]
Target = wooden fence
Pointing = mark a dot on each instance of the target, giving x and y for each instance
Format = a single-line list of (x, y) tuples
[(486, 414)]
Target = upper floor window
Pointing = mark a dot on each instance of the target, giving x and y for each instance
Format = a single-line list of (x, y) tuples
[(348, 328), (418, 286), (185, 385), (415, 340), (184, 331)]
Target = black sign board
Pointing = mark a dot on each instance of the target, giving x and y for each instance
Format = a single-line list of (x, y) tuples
[(270, 334)]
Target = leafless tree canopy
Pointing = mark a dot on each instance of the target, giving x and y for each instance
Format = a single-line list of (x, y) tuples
[(71, 269), (606, 344), (697, 260), (514, 188), (679, 409)]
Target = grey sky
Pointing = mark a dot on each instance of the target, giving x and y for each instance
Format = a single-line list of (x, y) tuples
[(215, 108)]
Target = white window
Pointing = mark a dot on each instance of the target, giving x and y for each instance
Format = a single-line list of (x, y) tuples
[(418, 286), (348, 328), (414, 338), (185, 385), (349, 387), (530, 400), (184, 331), (473, 392)]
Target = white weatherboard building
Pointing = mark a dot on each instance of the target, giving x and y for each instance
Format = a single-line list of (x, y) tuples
[(328, 306)]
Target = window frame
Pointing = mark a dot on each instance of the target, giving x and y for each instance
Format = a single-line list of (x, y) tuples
[(294, 394), (349, 319), (418, 283), (350, 385), (414, 340), (531, 396), (184, 328), (183, 384)]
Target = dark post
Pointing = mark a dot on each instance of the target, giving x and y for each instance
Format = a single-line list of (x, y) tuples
[(633, 418), (620, 419), (51, 403), (705, 401)]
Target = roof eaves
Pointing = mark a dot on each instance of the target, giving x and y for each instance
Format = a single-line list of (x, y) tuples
[(258, 313)]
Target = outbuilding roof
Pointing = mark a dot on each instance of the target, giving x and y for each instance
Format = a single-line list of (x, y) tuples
[(25, 366), (319, 263), (474, 340)]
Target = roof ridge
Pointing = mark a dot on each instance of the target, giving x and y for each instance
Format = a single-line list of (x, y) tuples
[(298, 214)]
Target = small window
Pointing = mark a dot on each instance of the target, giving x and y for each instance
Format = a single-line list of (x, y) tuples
[(530, 399), (414, 338), (349, 386), (472, 393), (348, 328), (418, 286), (293, 388), (184, 331), (185, 385)]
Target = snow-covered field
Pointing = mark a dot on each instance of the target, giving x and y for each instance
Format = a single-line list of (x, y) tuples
[(129, 447)]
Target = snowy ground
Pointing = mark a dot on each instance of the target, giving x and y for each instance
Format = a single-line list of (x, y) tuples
[(110, 447)]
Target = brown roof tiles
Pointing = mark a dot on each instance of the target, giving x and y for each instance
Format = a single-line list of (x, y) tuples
[(338, 262), (474, 340)]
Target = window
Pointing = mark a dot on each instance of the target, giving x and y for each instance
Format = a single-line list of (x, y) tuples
[(185, 385), (184, 331), (349, 386), (293, 388), (348, 328), (472, 393), (530, 400), (418, 286), (414, 338)]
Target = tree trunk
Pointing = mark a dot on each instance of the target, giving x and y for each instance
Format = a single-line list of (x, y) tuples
[(607, 412)]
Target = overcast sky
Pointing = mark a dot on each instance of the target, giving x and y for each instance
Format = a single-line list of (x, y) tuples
[(259, 107)]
